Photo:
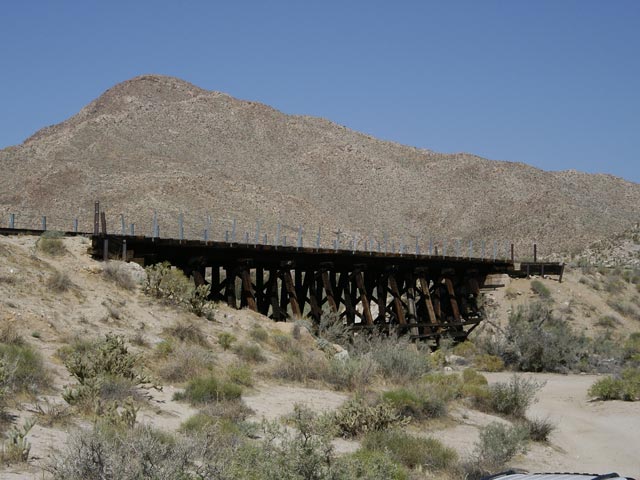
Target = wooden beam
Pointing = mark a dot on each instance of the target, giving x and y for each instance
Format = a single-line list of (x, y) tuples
[(452, 299), (329, 291), (366, 310), (248, 295), (397, 303), (230, 287), (293, 296)]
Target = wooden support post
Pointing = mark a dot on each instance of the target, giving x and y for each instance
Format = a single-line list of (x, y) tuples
[(293, 297), (345, 295), (397, 302), (105, 249), (535, 253), (124, 249), (411, 303), (103, 220), (215, 283), (248, 295), (452, 299), (366, 310), (382, 298), (300, 294), (230, 287), (96, 219), (284, 297), (272, 286), (260, 296), (326, 284), (426, 295), (316, 311)]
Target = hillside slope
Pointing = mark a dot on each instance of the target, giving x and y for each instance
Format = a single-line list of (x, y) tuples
[(160, 143)]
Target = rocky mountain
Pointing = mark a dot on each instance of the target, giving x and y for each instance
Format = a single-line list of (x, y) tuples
[(160, 143)]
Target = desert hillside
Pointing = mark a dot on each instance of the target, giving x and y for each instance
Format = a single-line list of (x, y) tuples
[(107, 372), (159, 143)]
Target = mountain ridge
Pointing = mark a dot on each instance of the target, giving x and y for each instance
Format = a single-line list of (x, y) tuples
[(161, 142)]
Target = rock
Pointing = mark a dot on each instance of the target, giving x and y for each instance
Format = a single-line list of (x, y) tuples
[(448, 369), (343, 356), (456, 360), (135, 271)]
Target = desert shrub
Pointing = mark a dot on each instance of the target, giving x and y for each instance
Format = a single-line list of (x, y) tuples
[(172, 286), (226, 340), (357, 417), (103, 363), (352, 373), (510, 293), (539, 429), (514, 397), (9, 335), (613, 283), (185, 362), (50, 243), (240, 373), (17, 448), (418, 404), (632, 348), (250, 352), (283, 342), (188, 333), (369, 465), (413, 452), (540, 289), (399, 360), (499, 443), (301, 366), (536, 341), (141, 452), (489, 363), (608, 321), (466, 349), (625, 308), (209, 389), (626, 386), (24, 370), (118, 274), (58, 282), (258, 334), (52, 414)]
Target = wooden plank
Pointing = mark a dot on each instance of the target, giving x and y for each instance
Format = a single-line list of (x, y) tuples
[(329, 292), (397, 303), (272, 286), (230, 287), (316, 311), (363, 298), (293, 296), (452, 299), (382, 299), (247, 290), (343, 286), (426, 296)]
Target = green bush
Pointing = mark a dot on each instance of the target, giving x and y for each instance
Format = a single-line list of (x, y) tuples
[(357, 417), (624, 387), (632, 348), (413, 452), (240, 374), (209, 389), (250, 352), (369, 465), (301, 366), (398, 359), (419, 404), (514, 397), (187, 333), (50, 243), (540, 289), (97, 365), (226, 340), (536, 341), (24, 370), (499, 443), (118, 273), (489, 363), (258, 334), (352, 373)]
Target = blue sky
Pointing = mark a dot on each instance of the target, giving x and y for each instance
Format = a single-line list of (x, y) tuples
[(555, 84)]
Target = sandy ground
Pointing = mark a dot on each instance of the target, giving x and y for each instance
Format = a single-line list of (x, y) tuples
[(594, 437), (591, 436)]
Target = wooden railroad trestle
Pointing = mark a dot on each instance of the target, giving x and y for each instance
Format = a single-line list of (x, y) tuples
[(424, 296)]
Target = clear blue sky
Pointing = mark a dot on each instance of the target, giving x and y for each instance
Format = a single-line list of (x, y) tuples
[(555, 83)]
